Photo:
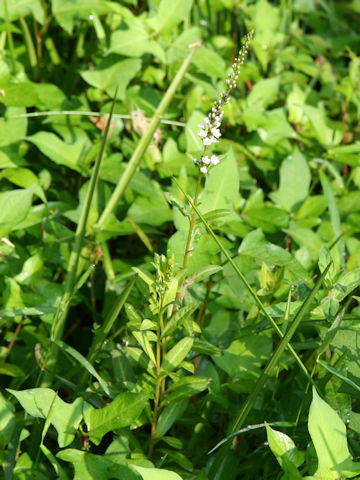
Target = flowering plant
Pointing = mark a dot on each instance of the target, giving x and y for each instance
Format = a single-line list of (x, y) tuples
[(210, 129)]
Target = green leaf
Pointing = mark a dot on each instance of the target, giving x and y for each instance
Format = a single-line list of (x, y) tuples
[(264, 92), (203, 346), (112, 72), (84, 362), (294, 101), (65, 417), (327, 136), (134, 42), (222, 185), (7, 421), (328, 434), (244, 358), (168, 417), (22, 8), (12, 129), (88, 465), (285, 451), (179, 48), (123, 411), (14, 208), (67, 11), (179, 317), (156, 474), (144, 342), (345, 284), (255, 245), (348, 154), (183, 388), (269, 219), (28, 94), (150, 207), (68, 155), (210, 62), (294, 182), (177, 354), (334, 216), (169, 14), (25, 178), (193, 141)]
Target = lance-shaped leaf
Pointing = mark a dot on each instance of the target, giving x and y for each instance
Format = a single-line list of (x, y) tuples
[(177, 354)]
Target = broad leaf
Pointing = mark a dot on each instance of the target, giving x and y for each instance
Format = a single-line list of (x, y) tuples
[(134, 42), (122, 412), (45, 403), (285, 451), (7, 420), (294, 182), (14, 208), (111, 73), (328, 434), (97, 467), (156, 474), (68, 155), (222, 185), (169, 14)]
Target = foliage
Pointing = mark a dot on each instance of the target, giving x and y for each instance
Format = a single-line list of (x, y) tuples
[(172, 286)]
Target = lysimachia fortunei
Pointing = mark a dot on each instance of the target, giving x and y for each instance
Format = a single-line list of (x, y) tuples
[(210, 129)]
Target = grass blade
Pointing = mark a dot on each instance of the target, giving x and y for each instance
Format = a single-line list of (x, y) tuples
[(109, 321), (334, 215), (70, 283), (241, 417), (87, 365)]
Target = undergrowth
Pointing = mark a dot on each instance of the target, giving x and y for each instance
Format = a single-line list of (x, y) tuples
[(179, 224)]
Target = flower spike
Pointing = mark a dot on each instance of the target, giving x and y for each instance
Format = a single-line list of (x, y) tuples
[(210, 129)]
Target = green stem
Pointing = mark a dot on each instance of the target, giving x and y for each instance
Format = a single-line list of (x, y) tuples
[(83, 113), (159, 380), (29, 44), (250, 401), (192, 224), (245, 282), (143, 143), (101, 335), (72, 270), (9, 36)]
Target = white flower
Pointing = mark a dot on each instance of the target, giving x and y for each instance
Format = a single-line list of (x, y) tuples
[(206, 160), (214, 159), (202, 133), (203, 169), (216, 132), (208, 141)]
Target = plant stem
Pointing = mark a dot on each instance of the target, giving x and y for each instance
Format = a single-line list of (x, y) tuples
[(29, 44), (246, 284), (250, 401), (9, 36), (160, 381), (100, 336), (192, 224), (72, 270), (143, 143)]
